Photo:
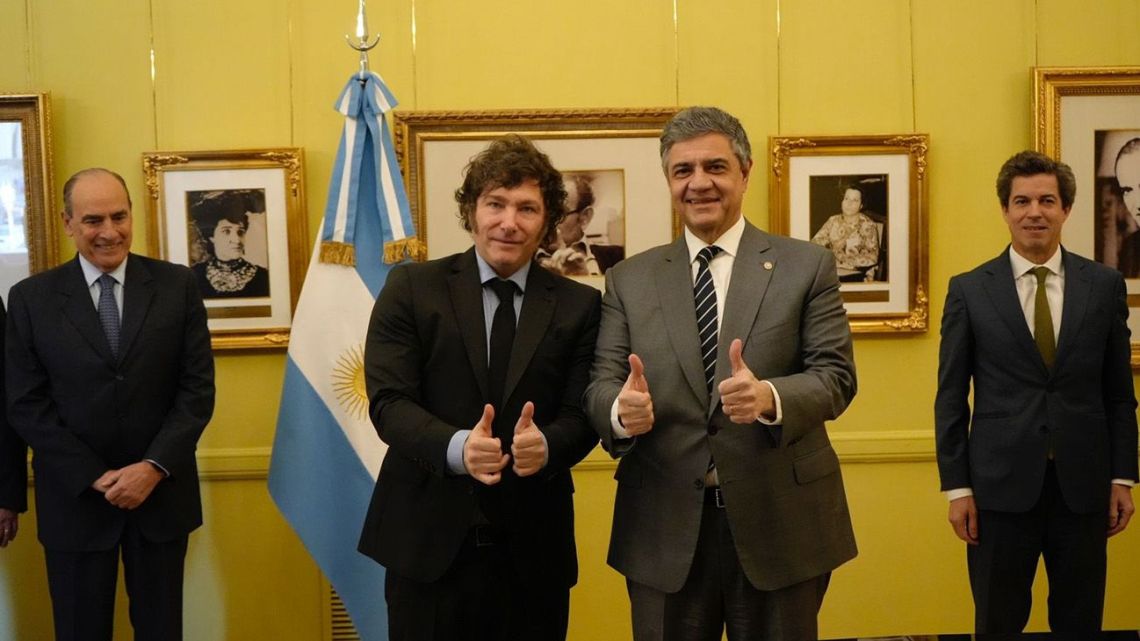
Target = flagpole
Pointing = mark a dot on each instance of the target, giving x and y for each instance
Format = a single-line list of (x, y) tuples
[(362, 44)]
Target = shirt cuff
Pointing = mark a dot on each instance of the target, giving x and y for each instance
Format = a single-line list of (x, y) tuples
[(959, 493), (615, 423), (160, 468), (779, 407), (455, 452), (1124, 482)]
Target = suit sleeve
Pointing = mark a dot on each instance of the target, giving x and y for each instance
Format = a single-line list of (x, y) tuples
[(611, 367), (394, 354), (1119, 394), (13, 452), (826, 384), (31, 410), (569, 437), (174, 445), (951, 401)]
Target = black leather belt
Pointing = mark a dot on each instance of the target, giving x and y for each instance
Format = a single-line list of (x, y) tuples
[(714, 497)]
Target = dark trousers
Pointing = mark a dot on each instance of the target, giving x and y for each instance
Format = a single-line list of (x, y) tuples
[(82, 587), (1004, 562), (479, 598), (717, 597)]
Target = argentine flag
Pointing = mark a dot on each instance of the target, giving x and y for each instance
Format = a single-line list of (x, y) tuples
[(326, 454)]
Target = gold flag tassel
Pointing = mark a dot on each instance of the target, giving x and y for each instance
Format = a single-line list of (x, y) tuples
[(410, 247), (338, 253)]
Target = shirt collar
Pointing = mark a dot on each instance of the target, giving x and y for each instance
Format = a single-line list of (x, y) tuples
[(91, 273), (486, 273), (1022, 265), (729, 241)]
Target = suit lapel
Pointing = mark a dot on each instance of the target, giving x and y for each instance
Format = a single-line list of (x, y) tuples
[(534, 318), (466, 293), (137, 295), (1002, 293), (675, 291), (746, 289), (77, 306), (1077, 286)]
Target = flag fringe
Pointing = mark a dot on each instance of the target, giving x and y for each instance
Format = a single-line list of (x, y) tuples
[(410, 247), (338, 253)]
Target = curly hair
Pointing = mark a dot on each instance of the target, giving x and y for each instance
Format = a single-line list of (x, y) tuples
[(508, 162)]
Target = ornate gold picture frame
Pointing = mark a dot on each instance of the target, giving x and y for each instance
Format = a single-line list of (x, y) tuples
[(1083, 117), (29, 222), (612, 152), (237, 218), (865, 198)]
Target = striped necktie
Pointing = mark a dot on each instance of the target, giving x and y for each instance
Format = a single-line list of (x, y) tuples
[(704, 295)]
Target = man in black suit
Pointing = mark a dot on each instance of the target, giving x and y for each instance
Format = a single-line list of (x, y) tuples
[(1044, 462), (473, 514), (111, 381), (13, 468)]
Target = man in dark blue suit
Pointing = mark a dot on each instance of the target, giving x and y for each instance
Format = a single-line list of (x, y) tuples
[(110, 380), (1044, 462)]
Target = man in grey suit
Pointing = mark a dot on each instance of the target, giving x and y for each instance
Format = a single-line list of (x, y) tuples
[(1044, 462), (717, 411)]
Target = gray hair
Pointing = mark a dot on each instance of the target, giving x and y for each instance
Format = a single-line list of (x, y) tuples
[(698, 121)]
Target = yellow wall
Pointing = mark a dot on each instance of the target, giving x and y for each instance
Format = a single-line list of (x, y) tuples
[(262, 73)]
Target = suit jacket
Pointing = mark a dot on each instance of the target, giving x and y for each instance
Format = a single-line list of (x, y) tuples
[(426, 372), (1084, 407), (84, 411), (782, 486), (13, 453)]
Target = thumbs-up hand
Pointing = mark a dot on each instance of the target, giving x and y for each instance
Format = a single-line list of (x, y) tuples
[(744, 398), (635, 405), (483, 453), (529, 446)]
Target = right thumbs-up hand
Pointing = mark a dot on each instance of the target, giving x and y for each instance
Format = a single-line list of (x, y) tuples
[(635, 405), (483, 453)]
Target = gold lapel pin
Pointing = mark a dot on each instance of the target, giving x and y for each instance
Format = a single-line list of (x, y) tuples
[(769, 265)]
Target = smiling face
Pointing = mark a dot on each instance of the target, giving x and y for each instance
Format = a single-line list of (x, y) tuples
[(707, 184), (100, 220), (508, 224), (1035, 216), (228, 240)]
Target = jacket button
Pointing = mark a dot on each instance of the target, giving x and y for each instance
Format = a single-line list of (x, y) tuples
[(713, 429), (699, 484)]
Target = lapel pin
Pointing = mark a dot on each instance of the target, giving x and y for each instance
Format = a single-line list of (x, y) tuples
[(768, 265)]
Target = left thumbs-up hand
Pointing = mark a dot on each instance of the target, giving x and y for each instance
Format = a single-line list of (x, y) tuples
[(744, 398), (528, 447)]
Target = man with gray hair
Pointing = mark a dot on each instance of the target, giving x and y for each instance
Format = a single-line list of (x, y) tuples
[(719, 358)]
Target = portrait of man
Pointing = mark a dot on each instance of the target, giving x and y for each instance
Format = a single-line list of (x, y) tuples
[(857, 234), (1116, 201), (228, 242), (590, 239)]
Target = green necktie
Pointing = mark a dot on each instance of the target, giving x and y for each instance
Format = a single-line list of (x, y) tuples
[(1043, 320)]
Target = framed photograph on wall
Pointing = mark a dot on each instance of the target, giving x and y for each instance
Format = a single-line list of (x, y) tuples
[(237, 219), (1089, 119), (865, 199), (617, 198), (29, 222)]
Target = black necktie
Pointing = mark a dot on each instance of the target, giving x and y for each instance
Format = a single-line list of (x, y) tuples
[(502, 338), (109, 311), (704, 295)]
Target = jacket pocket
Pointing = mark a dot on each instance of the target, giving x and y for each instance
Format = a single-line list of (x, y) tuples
[(816, 465)]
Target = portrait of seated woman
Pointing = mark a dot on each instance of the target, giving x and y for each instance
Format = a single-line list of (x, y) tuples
[(853, 237), (222, 221)]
